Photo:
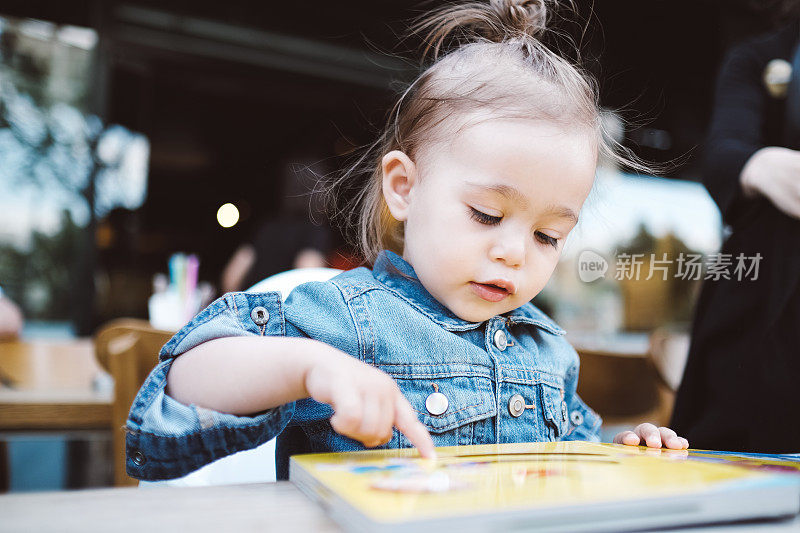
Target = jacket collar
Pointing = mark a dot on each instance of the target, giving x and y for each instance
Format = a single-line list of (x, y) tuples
[(397, 274)]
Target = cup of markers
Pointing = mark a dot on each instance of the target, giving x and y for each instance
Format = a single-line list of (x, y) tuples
[(177, 299)]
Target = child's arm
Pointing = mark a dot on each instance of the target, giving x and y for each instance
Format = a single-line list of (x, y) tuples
[(242, 375), (246, 375)]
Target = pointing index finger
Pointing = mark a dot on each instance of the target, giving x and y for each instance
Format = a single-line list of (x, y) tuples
[(413, 429)]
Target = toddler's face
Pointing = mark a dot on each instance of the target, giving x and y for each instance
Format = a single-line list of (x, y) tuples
[(488, 213)]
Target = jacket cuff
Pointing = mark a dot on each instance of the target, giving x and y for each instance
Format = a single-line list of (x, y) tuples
[(584, 423), (151, 457)]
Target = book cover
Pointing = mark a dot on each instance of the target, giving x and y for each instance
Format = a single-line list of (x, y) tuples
[(551, 486)]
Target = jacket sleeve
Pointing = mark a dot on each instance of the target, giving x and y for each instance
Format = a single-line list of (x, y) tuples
[(167, 439), (583, 422), (736, 130)]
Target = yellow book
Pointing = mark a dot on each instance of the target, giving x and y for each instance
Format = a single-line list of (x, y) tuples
[(551, 486)]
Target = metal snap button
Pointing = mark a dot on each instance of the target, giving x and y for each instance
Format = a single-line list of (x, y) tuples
[(564, 411), (139, 459), (259, 315), (516, 405), (500, 339), (577, 418), (436, 403)]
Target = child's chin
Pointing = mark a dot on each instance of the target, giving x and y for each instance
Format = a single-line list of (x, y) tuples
[(477, 315)]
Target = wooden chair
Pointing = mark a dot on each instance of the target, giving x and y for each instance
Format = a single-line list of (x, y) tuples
[(128, 350)]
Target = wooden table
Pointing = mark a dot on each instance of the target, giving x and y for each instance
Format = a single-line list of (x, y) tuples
[(49, 385), (257, 507)]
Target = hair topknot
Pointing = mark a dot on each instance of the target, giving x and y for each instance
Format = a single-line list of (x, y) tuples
[(495, 21)]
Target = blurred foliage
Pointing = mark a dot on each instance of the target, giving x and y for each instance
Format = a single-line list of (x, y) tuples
[(681, 294), (643, 242), (50, 145), (41, 280)]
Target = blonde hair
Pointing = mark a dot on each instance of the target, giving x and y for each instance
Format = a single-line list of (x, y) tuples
[(498, 65)]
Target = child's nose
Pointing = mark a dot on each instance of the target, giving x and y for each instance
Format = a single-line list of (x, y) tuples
[(510, 250)]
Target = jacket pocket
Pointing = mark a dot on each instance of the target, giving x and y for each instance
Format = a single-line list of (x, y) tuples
[(446, 398), (555, 411)]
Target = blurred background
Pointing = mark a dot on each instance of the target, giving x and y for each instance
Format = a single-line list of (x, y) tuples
[(154, 146)]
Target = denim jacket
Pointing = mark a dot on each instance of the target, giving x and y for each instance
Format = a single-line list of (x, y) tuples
[(511, 378)]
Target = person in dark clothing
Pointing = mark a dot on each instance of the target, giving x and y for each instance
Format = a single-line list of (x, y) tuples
[(281, 243), (739, 387), (284, 240)]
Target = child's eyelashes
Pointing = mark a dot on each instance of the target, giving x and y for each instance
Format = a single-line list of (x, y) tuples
[(483, 218), (490, 220), (547, 239)]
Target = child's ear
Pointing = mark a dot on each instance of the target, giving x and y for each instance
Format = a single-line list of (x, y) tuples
[(399, 177)]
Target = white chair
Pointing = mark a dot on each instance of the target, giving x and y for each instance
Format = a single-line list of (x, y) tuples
[(285, 282), (256, 465)]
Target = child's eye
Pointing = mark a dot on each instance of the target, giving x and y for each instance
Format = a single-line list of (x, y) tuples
[(547, 239), (483, 218)]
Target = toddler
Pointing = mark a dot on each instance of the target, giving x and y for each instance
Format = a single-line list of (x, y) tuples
[(479, 178)]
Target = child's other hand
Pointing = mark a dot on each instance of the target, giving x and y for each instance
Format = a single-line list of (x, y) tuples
[(652, 436), (367, 403)]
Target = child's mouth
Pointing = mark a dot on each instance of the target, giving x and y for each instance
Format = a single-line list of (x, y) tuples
[(489, 292)]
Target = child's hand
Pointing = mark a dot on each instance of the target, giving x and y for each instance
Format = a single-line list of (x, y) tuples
[(366, 402), (652, 436)]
